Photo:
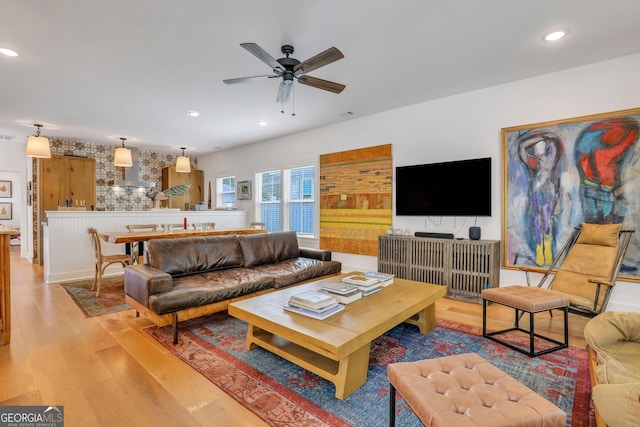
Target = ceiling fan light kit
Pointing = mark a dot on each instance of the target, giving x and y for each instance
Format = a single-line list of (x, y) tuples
[(289, 68)]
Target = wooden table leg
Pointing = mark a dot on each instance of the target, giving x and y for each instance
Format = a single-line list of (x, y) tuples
[(249, 343), (352, 372), (425, 319)]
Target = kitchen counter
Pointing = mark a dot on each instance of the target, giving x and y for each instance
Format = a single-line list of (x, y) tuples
[(67, 251)]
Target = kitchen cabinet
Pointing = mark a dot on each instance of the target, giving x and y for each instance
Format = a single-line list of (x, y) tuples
[(195, 194), (64, 178)]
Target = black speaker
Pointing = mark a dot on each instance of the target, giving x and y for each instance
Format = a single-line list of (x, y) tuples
[(474, 233)]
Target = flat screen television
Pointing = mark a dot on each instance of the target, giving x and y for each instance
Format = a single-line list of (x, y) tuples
[(459, 188)]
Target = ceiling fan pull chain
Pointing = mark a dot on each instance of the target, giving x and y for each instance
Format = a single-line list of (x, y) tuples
[(293, 99)]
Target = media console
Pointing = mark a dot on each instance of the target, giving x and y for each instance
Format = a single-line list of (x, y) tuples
[(465, 267)]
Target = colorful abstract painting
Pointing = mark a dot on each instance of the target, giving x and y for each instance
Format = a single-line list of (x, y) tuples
[(559, 174), (355, 199)]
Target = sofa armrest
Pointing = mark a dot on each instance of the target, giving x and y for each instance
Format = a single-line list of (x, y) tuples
[(319, 254), (142, 281)]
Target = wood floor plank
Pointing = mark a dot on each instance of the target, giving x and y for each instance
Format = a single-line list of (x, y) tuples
[(173, 374), (145, 399)]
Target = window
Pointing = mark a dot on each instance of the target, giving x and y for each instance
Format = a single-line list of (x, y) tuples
[(226, 192), (268, 200), (286, 199), (301, 199)]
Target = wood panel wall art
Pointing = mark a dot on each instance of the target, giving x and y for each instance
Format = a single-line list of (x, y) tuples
[(355, 199)]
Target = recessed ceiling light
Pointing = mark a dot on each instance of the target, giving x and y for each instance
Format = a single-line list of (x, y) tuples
[(262, 123), (194, 113), (555, 35), (8, 52)]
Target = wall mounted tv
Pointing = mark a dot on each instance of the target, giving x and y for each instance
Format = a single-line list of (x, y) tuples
[(459, 188)]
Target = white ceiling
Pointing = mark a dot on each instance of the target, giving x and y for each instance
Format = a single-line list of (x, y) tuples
[(97, 70)]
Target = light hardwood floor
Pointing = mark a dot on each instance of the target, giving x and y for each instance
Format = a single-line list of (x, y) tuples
[(106, 372)]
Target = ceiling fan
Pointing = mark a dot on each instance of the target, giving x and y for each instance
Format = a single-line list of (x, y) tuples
[(290, 68)]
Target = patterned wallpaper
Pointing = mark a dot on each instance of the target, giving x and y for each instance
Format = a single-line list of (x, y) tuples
[(110, 198)]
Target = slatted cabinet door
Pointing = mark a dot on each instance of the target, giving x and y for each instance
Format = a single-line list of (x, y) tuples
[(475, 265)]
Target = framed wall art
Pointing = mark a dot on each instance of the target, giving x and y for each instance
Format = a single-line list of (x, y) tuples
[(5, 189), (244, 190), (559, 174), (6, 210)]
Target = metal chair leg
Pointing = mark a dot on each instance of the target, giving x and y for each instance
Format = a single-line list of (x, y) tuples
[(392, 405)]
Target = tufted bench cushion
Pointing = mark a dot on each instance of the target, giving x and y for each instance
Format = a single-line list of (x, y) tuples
[(466, 390)]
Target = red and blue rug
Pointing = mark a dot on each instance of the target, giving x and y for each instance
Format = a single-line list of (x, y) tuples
[(111, 299), (283, 394)]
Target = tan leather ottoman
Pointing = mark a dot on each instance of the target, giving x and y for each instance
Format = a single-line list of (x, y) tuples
[(466, 390), (525, 299)]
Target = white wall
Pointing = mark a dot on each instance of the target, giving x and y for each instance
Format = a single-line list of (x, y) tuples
[(13, 167), (457, 127)]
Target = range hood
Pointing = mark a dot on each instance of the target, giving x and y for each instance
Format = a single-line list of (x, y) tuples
[(132, 174)]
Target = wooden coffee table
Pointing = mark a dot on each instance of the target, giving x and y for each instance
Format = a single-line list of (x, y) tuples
[(336, 348)]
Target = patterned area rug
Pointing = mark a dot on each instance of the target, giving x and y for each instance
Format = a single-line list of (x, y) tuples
[(111, 297), (283, 394)]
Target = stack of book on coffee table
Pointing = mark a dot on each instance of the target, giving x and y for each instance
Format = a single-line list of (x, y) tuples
[(384, 278), (314, 303), (367, 285), (343, 292)]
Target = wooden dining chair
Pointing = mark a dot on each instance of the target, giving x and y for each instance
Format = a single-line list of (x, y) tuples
[(203, 225), (142, 227), (136, 249), (103, 261), (170, 227)]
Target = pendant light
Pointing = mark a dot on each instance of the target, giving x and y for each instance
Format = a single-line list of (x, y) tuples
[(38, 146), (122, 157), (183, 164)]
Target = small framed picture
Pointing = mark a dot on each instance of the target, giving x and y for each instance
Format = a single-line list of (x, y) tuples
[(6, 210), (5, 189), (244, 190)]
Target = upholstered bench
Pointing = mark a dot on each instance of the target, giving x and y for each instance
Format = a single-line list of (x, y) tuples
[(529, 300), (466, 390)]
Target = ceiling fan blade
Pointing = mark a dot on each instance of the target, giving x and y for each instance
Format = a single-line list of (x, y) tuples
[(321, 84), (247, 79), (262, 55), (284, 91), (323, 58)]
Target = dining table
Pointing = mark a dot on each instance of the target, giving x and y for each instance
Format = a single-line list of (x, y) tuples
[(140, 237)]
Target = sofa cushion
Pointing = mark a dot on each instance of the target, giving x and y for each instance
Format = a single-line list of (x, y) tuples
[(296, 270), (207, 288), (189, 255), (618, 404), (615, 336), (268, 248)]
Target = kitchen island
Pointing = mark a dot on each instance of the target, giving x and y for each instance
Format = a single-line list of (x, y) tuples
[(67, 251)]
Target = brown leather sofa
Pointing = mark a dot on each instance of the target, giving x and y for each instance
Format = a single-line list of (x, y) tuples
[(614, 352), (189, 277)]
